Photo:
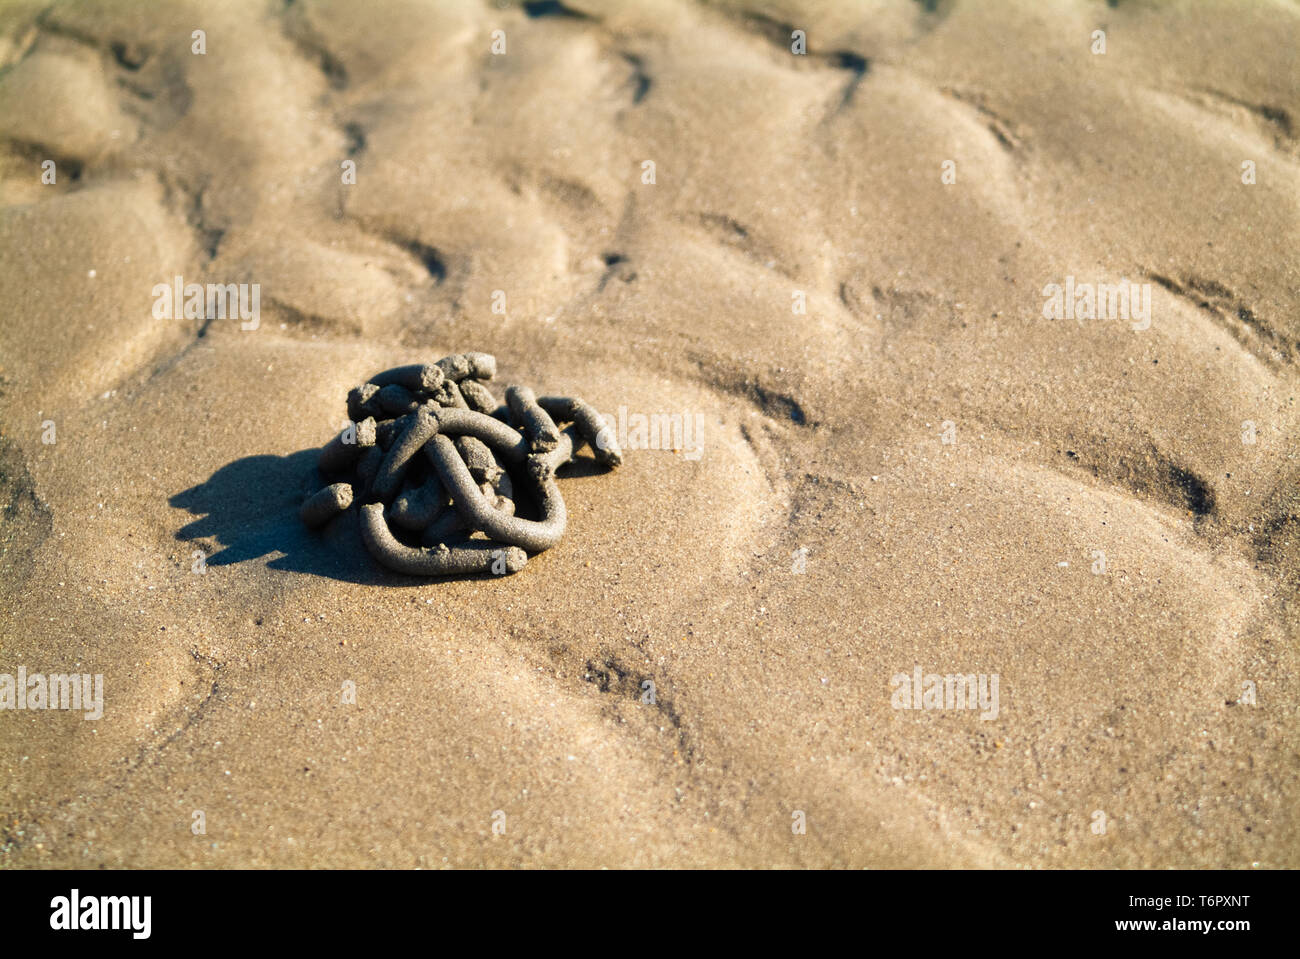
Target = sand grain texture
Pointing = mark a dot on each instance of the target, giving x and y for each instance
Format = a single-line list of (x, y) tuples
[(823, 431)]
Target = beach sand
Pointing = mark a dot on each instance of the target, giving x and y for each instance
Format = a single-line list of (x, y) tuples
[(918, 469)]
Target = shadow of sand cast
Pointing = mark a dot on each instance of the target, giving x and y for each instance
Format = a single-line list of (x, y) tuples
[(250, 508)]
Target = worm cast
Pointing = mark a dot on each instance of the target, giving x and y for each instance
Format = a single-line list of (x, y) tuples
[(509, 446), (450, 525), (541, 431), (417, 507), (368, 469), (591, 427), (563, 452), (450, 396), (388, 430), (326, 504), (478, 397), (480, 514), (363, 402), (338, 456), (480, 366), (420, 427), (441, 560), (396, 400), (505, 487), (454, 367), (418, 378), (482, 464), (476, 453)]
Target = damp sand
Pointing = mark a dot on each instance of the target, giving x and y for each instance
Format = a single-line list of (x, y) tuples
[(895, 459)]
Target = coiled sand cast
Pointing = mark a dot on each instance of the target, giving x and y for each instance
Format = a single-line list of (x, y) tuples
[(433, 460)]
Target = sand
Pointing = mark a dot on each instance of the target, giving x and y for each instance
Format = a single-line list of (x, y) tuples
[(917, 469)]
